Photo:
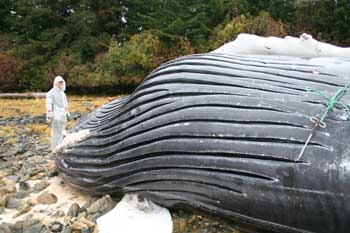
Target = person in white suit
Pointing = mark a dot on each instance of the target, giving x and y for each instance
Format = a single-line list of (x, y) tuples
[(57, 111)]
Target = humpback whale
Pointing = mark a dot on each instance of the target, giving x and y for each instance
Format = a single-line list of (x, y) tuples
[(223, 134)]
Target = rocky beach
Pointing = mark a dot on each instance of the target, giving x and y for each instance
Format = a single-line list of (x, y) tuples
[(34, 198)]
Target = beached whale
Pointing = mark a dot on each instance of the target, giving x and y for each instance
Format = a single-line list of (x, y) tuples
[(223, 134)]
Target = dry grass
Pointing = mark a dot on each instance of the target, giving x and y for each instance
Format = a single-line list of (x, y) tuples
[(8, 130), (10, 141), (33, 107), (42, 130)]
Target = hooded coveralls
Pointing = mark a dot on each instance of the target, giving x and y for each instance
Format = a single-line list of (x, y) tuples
[(56, 102)]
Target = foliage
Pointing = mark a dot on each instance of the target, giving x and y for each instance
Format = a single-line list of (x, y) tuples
[(95, 43), (262, 25), (329, 22), (133, 59), (10, 73)]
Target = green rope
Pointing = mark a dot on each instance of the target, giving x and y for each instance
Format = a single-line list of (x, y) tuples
[(332, 102)]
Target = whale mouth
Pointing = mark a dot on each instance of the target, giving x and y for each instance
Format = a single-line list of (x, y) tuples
[(71, 139), (222, 133)]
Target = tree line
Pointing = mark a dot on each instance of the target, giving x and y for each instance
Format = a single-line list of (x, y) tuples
[(114, 43)]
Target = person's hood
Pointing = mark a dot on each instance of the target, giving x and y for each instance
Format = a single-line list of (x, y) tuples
[(59, 79)]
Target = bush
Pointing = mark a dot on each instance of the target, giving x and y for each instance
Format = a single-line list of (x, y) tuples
[(132, 60), (327, 21), (129, 63), (10, 74), (262, 25)]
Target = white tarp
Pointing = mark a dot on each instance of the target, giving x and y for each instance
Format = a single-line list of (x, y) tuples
[(135, 215), (303, 47)]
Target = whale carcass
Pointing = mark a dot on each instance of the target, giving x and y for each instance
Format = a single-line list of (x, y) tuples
[(223, 134)]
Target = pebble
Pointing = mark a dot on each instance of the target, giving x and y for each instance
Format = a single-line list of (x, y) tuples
[(30, 225), (5, 228), (56, 227), (21, 194), (73, 210), (7, 186), (102, 205), (38, 187), (3, 200), (79, 226), (46, 198), (24, 186), (66, 229), (25, 209), (14, 203)]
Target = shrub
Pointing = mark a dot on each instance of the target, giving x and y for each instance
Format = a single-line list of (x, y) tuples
[(131, 61), (10, 73), (262, 25)]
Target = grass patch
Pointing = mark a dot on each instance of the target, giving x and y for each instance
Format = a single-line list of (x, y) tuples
[(34, 107), (10, 141), (37, 129), (8, 130)]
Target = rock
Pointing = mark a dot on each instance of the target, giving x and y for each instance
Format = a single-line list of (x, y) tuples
[(38, 187), (46, 198), (25, 209), (73, 210), (3, 174), (179, 224), (51, 169), (21, 194), (56, 227), (79, 226), (102, 205), (42, 148), (68, 219), (89, 223), (82, 214), (30, 202), (7, 187), (29, 225), (13, 178), (11, 153), (28, 154), (3, 200), (66, 229), (59, 213), (24, 186), (14, 203), (5, 228)]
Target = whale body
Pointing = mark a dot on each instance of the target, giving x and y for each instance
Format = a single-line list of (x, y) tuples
[(222, 134)]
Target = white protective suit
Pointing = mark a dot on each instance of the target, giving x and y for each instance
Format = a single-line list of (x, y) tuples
[(57, 107)]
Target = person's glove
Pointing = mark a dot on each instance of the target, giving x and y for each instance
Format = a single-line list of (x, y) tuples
[(69, 116), (49, 116)]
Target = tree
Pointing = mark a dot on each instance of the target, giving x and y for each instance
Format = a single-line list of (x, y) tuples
[(10, 70), (262, 25), (326, 20)]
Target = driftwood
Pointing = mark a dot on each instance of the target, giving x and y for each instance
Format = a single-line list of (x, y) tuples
[(34, 95)]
